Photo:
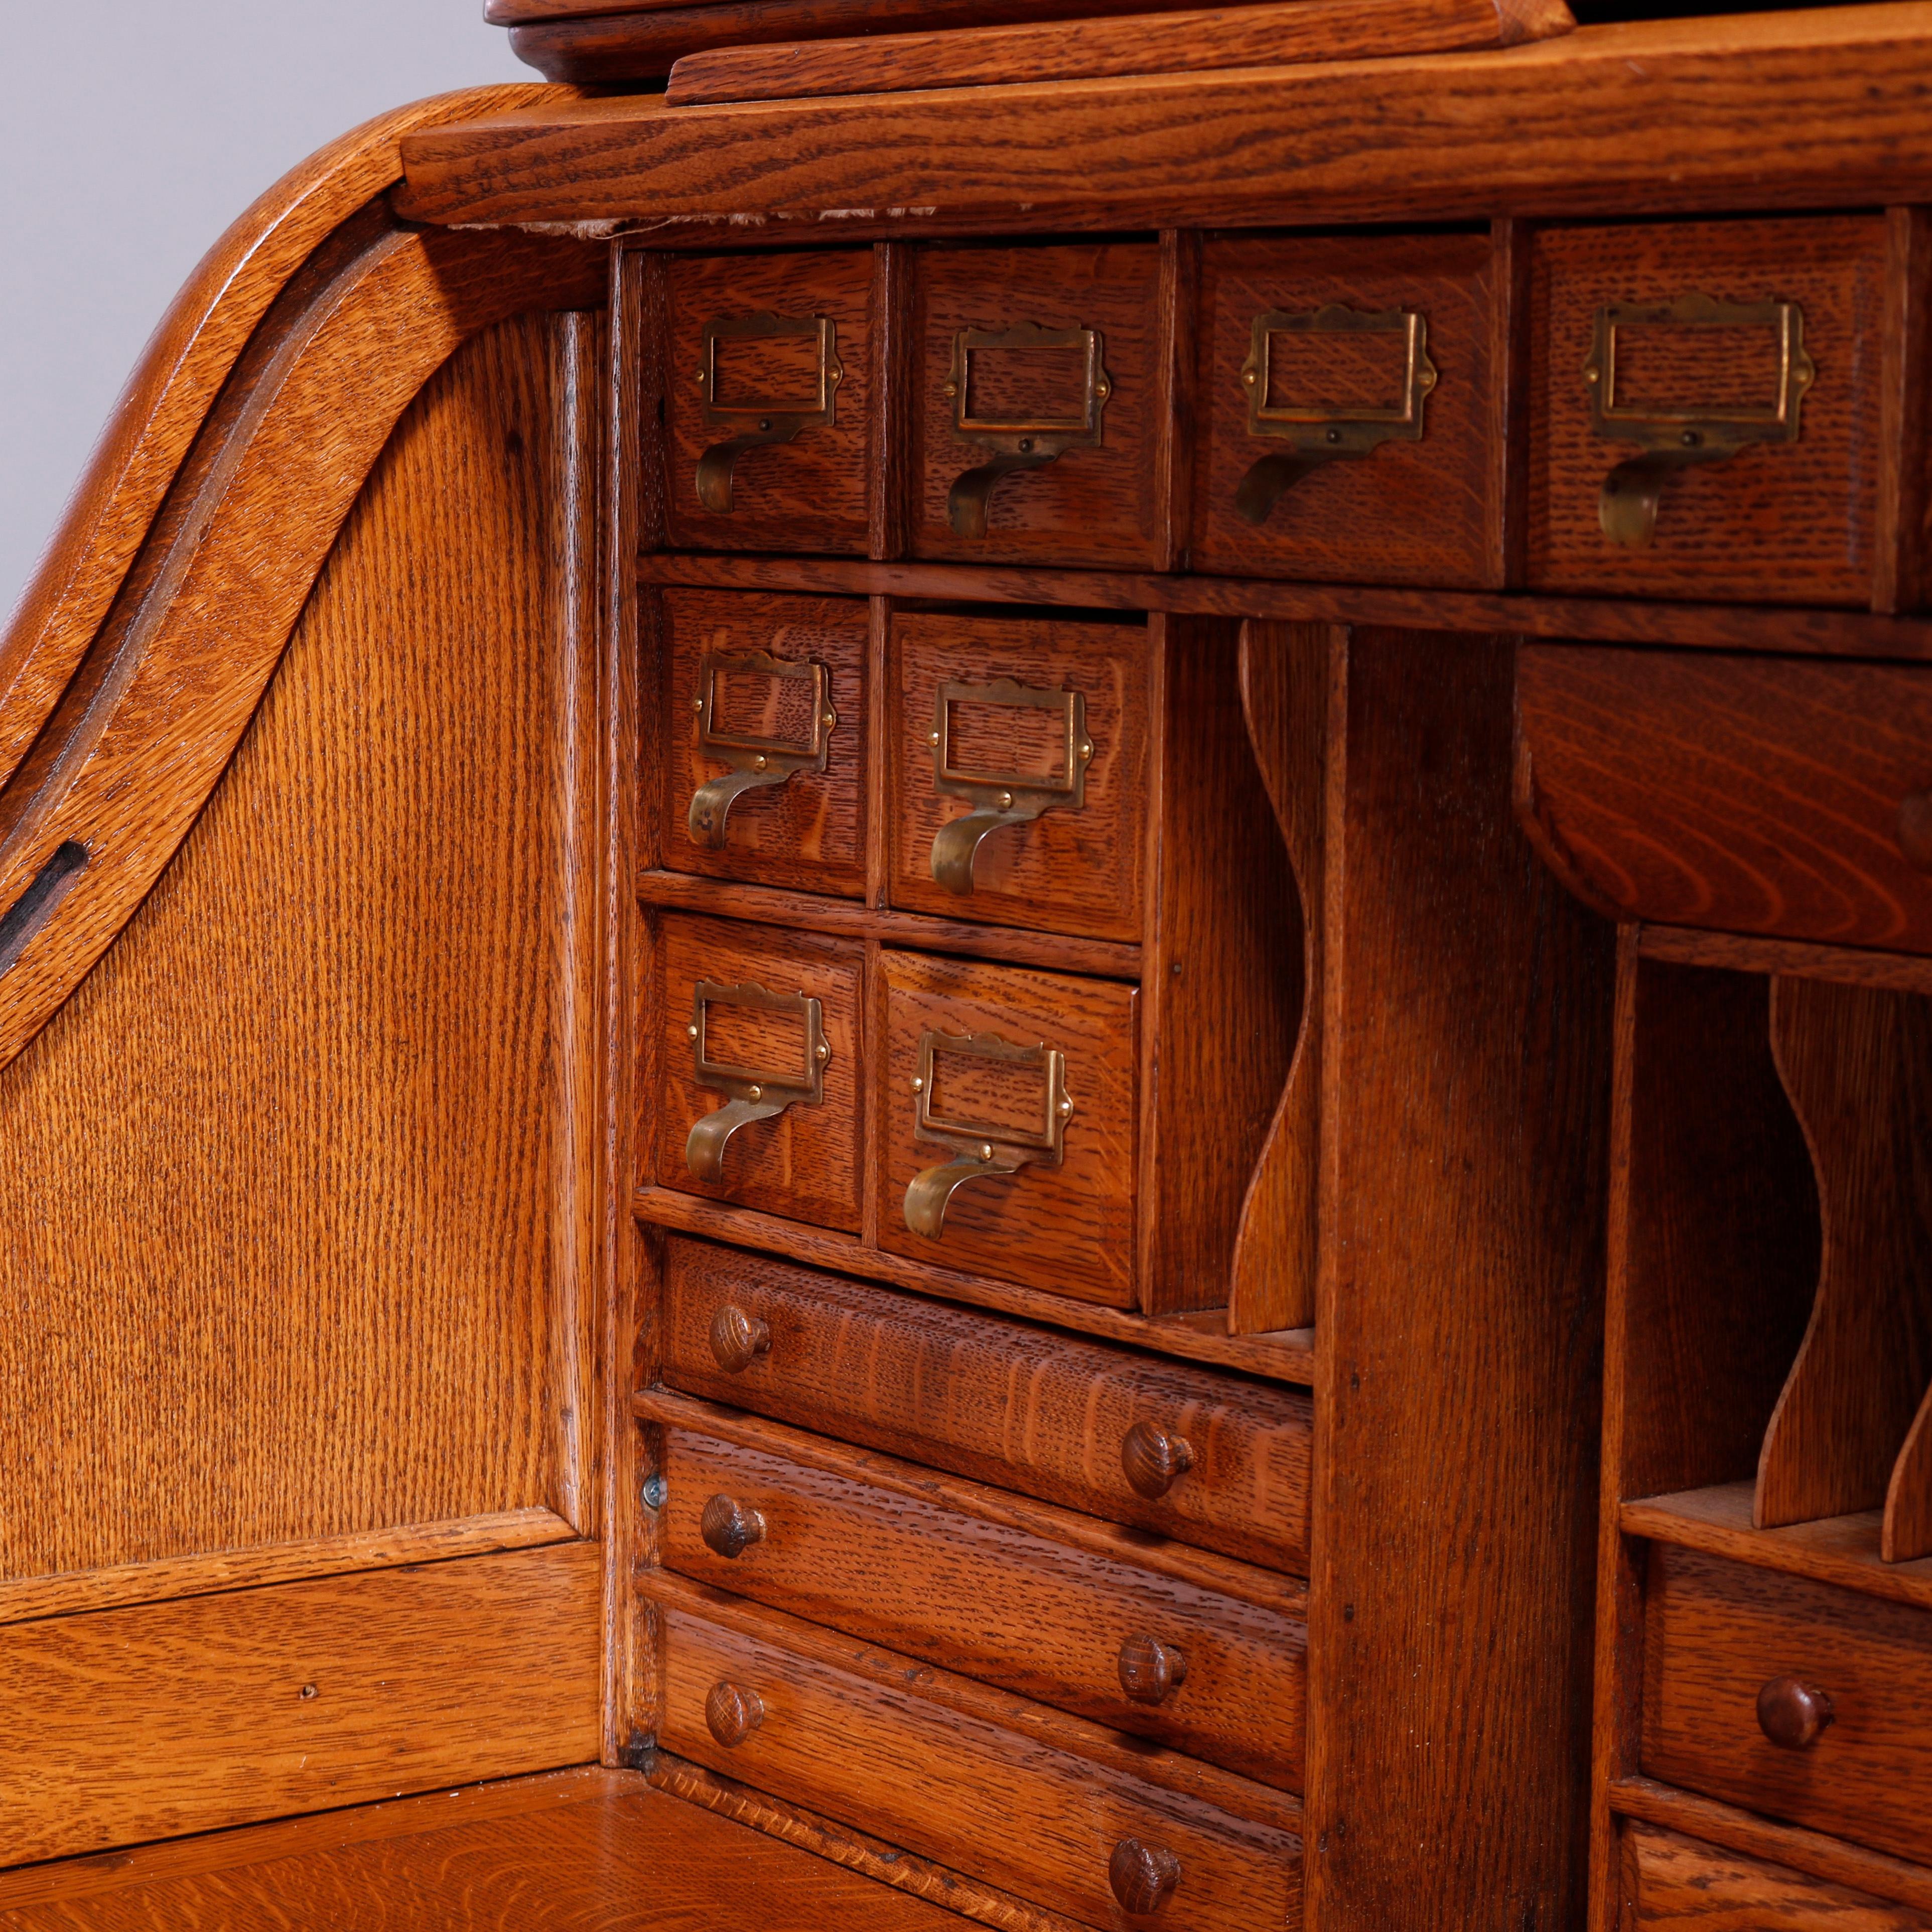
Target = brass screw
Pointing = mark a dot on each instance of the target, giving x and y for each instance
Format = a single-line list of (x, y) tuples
[(951, 389), (692, 1030), (1006, 801), (755, 1092), (758, 762), (1592, 375), (1086, 748), (697, 704), (985, 1150), (1066, 1107), (1103, 390), (824, 1051), (932, 737), (918, 1085), (699, 379), (1248, 376), (829, 719)]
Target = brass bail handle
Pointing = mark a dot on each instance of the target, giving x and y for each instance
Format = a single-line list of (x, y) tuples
[(757, 762), (1017, 443), (1674, 438), (752, 1093), (758, 421), (1317, 433)]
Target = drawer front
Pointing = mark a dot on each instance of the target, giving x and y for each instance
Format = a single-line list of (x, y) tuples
[(758, 1083), (1000, 1801), (769, 366), (1748, 794), (979, 1595), (1019, 771), (1007, 1110), (1036, 421), (1674, 1884), (1735, 1655), (1346, 389), (1703, 336), (1001, 1401), (765, 711)]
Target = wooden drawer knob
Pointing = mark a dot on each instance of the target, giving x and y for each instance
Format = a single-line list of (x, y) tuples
[(1150, 1671), (732, 1714), (1915, 829), (1142, 1877), (1792, 1715), (728, 1527), (738, 1340), (1154, 1460)]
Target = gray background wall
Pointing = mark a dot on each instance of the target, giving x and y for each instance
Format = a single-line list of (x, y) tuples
[(134, 132)]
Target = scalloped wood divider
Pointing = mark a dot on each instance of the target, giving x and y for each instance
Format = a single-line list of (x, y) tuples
[(1907, 1530), (1285, 698), (1857, 1064)]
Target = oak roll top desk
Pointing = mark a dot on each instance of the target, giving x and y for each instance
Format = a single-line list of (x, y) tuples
[(1008, 1001)]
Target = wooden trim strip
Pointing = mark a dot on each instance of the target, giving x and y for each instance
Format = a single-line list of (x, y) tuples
[(1286, 1355), (25, 1599), (1745, 953)]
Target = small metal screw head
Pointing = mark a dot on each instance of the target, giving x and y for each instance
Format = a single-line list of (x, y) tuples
[(1593, 374), (823, 1053), (985, 1150), (764, 422), (828, 718), (1102, 390), (1248, 377), (932, 737), (692, 1030), (699, 379), (918, 1085), (1026, 442), (1691, 438), (1066, 1107), (1334, 435), (951, 389), (655, 1491), (754, 1091), (759, 762), (1006, 801), (697, 704), (1086, 748)]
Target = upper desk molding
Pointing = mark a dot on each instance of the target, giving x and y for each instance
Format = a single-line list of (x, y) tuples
[(1829, 108)]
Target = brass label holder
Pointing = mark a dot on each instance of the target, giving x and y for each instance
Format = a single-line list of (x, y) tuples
[(980, 1152), (1018, 443), (1674, 439), (1001, 799), (755, 420), (756, 762), (1319, 433), (753, 1093)]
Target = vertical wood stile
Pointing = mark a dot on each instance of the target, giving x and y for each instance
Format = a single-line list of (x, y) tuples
[(1506, 537), (1905, 414), (1180, 299), (889, 432)]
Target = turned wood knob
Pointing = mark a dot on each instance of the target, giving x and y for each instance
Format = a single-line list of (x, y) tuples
[(728, 1527), (1142, 1877), (732, 1714), (738, 1340), (1792, 1714), (1153, 1459), (1150, 1671)]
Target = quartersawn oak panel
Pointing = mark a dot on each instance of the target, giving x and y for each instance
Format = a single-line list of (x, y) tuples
[(1673, 1884), (281, 1258), (150, 1723)]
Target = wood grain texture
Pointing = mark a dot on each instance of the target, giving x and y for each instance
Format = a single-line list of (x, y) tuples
[(1781, 110), (1677, 1884), (1755, 796), (1060, 49), (286, 1259), (263, 1702), (1067, 1229), (1284, 679), (1905, 415), (997, 1400), (809, 834), (1908, 1497), (1739, 952), (956, 1583), (1019, 1796), (1717, 1631), (1416, 512), (1458, 1043), (1857, 1062)]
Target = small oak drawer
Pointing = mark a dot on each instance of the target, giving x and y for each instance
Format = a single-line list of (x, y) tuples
[(1795, 1699), (1037, 419), (1019, 768), (1218, 1460), (758, 1086), (1347, 389), (1771, 795), (768, 362), (1674, 1884), (1007, 1104), (1053, 1810), (764, 701), (1035, 1600), (1706, 414)]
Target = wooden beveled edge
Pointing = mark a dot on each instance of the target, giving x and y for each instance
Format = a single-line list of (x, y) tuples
[(1204, 1569), (91, 1875), (872, 1858), (1797, 110), (1814, 1853), (25, 1599), (1287, 1355), (1746, 952), (1839, 1549), (1737, 627)]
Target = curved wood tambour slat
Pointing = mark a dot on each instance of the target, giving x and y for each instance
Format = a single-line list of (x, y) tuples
[(168, 396), (1856, 1062), (146, 726)]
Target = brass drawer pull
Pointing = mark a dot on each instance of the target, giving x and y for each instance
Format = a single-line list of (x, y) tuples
[(1317, 432), (1142, 1877), (757, 420), (981, 1150), (1792, 1715), (1675, 436), (1017, 442), (1150, 1671), (756, 1093), (728, 1528), (732, 1713), (756, 759), (1001, 799), (1153, 1460), (738, 1340)]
